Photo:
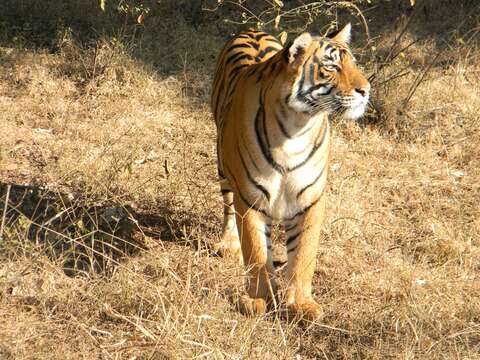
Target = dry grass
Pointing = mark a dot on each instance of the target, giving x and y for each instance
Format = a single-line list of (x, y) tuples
[(114, 202)]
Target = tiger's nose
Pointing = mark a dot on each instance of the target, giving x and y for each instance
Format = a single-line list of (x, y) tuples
[(363, 91)]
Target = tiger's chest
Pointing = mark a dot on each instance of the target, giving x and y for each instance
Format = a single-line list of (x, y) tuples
[(284, 202), (303, 160)]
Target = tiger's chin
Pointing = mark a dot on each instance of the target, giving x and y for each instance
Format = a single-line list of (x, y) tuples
[(354, 112)]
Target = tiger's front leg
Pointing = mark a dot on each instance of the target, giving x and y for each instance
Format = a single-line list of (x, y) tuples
[(303, 235), (230, 243), (254, 230)]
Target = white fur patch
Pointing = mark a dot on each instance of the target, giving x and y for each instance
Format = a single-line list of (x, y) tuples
[(321, 91), (299, 45), (357, 107), (355, 112)]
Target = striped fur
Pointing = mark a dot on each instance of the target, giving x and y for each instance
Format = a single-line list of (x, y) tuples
[(271, 105)]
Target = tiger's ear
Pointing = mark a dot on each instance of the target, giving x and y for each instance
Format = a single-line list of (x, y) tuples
[(297, 50), (343, 36)]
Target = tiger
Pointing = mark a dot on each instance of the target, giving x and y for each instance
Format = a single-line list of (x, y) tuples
[(271, 104)]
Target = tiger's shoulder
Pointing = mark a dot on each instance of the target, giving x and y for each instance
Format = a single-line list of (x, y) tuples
[(247, 48)]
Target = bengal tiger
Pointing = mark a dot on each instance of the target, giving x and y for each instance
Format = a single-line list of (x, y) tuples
[(271, 105)]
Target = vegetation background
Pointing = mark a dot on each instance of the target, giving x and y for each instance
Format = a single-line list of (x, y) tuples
[(109, 202)]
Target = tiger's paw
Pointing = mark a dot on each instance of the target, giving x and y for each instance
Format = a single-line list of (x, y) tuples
[(252, 306), (308, 310)]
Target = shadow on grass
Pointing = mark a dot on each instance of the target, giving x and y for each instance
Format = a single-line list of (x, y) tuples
[(175, 37), (166, 39), (82, 235), (176, 227)]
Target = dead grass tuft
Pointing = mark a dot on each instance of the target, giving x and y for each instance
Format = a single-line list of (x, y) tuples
[(107, 154)]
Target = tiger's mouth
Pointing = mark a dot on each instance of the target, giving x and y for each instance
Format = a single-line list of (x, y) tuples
[(352, 107)]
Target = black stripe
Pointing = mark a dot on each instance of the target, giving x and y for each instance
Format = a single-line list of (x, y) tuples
[(276, 42), (249, 155), (292, 238), (261, 68), (265, 51), (304, 210), (280, 121), (292, 249), (268, 230), (304, 131), (235, 71), (312, 74), (233, 57), (265, 131), (286, 52), (259, 131), (251, 71), (250, 177), (244, 199), (337, 68), (237, 58), (318, 86), (267, 140), (300, 93), (228, 104), (273, 67), (232, 83), (328, 92), (215, 112), (225, 191), (311, 184), (287, 229), (276, 67), (219, 158), (239, 46), (300, 85), (299, 53), (314, 149), (260, 36), (254, 44), (219, 75)]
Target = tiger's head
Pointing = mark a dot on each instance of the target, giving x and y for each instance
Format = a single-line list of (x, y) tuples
[(323, 76)]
